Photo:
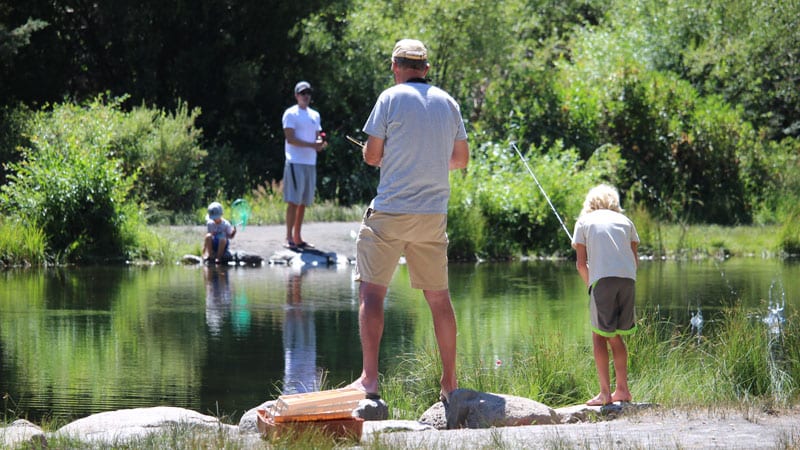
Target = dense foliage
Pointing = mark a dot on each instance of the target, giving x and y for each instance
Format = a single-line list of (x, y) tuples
[(696, 100), (85, 171)]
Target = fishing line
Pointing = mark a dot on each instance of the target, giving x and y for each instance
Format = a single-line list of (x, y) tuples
[(524, 161)]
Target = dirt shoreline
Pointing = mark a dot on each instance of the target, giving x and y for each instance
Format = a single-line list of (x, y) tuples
[(265, 240)]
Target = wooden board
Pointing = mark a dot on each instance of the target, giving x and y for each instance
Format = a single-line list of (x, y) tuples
[(322, 405)]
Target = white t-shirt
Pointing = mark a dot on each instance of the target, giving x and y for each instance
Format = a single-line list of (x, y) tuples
[(607, 236), (305, 123)]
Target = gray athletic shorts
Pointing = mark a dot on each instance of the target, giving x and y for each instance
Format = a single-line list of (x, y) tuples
[(299, 183), (611, 306)]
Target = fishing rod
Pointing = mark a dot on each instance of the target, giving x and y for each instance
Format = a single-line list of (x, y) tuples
[(524, 161)]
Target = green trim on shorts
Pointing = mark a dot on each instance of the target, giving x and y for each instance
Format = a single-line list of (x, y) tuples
[(614, 333)]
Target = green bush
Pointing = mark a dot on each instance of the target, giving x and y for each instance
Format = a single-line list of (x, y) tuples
[(497, 210), (70, 184), (163, 150)]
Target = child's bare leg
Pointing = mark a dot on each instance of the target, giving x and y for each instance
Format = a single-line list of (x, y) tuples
[(207, 246), (600, 345), (620, 353), (221, 248)]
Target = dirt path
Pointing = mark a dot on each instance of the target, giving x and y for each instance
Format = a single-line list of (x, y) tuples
[(337, 237)]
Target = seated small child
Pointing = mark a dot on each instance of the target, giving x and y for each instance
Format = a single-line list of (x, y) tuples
[(218, 236)]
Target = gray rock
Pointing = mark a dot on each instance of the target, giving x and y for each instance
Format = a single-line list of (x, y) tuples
[(473, 409), (391, 426), (116, 427), (576, 413), (236, 258), (247, 424), (22, 432), (372, 410)]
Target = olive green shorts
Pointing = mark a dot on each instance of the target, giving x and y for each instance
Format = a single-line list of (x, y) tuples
[(611, 306), (422, 238)]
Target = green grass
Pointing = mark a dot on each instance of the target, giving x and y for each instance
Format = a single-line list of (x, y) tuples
[(21, 246), (268, 208), (708, 241)]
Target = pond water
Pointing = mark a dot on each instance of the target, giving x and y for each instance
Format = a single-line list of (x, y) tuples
[(77, 341)]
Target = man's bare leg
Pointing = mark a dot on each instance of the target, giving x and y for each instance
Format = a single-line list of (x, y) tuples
[(298, 224), (444, 326), (370, 323), (291, 216)]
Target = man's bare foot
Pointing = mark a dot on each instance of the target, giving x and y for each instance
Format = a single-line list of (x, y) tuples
[(599, 400), (368, 388), (621, 397)]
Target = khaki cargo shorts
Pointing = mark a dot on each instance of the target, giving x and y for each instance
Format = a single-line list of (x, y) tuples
[(422, 238)]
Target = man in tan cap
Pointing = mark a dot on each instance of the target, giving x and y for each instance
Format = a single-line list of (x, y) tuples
[(416, 135)]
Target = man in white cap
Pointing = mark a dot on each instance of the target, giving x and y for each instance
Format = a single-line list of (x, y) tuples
[(302, 129), (416, 135)]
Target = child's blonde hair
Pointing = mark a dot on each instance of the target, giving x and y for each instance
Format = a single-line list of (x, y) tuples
[(601, 196)]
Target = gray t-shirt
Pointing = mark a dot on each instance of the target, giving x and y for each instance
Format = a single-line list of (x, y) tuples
[(419, 124), (223, 229), (607, 236)]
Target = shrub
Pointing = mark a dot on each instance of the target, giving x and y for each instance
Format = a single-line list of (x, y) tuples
[(497, 210), (163, 150), (70, 184)]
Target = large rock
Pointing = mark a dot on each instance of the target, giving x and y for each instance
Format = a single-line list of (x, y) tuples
[(372, 409), (117, 427), (21, 432), (249, 420), (473, 409)]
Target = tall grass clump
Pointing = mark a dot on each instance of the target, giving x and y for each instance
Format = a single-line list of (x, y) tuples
[(790, 233), (268, 208), (21, 246)]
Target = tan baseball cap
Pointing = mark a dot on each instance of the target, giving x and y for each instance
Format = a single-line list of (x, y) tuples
[(410, 49)]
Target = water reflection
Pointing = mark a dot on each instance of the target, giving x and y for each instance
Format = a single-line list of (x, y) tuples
[(776, 362), (696, 322), (299, 339), (224, 302), (218, 297), (774, 318)]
